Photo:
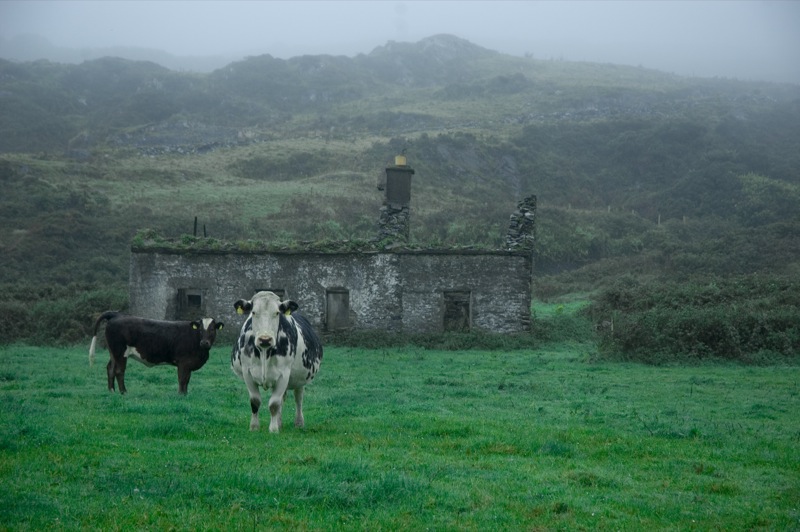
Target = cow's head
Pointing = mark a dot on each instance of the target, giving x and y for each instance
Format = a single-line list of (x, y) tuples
[(208, 328), (266, 310)]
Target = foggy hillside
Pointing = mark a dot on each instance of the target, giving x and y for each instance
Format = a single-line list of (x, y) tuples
[(29, 47), (746, 39), (638, 172)]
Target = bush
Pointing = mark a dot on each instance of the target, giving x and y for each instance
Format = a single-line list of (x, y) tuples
[(747, 319), (59, 315), (563, 326), (17, 321)]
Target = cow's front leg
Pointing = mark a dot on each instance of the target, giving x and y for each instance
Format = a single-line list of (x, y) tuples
[(276, 403), (298, 408), (184, 374), (255, 401)]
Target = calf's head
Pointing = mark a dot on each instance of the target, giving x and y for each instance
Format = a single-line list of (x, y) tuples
[(266, 310), (208, 328)]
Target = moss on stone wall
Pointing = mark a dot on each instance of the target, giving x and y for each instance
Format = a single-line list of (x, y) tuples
[(149, 240)]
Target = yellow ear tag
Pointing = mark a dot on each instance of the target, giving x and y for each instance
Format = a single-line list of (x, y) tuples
[(239, 311), (287, 313), (194, 326)]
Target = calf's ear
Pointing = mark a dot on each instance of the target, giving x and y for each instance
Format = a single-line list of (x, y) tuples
[(243, 306), (195, 325), (287, 307), (220, 325)]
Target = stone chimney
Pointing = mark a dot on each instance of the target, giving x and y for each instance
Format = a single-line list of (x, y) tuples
[(396, 210), (522, 226)]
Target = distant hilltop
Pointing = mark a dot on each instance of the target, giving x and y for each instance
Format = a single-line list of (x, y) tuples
[(29, 47), (34, 47)]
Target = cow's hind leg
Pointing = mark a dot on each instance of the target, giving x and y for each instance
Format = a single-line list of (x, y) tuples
[(298, 408), (110, 372), (116, 370), (116, 364), (119, 372)]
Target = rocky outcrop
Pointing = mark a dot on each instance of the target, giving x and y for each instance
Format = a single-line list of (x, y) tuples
[(182, 137)]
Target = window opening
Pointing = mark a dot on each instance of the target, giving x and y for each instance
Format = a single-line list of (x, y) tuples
[(337, 309), (193, 301), (457, 311), (190, 304)]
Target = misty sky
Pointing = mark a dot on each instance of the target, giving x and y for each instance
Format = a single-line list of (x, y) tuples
[(735, 39)]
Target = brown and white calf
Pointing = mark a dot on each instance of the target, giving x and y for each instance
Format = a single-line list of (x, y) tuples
[(185, 344)]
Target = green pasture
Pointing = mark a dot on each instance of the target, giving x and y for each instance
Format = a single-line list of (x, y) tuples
[(403, 438)]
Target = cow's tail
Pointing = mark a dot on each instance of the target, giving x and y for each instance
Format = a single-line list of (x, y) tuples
[(91, 350), (107, 315)]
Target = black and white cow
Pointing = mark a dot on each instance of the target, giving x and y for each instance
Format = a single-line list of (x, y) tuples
[(185, 344), (277, 350)]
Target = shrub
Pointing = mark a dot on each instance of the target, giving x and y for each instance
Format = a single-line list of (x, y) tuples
[(748, 319), (56, 315), (17, 321), (562, 326)]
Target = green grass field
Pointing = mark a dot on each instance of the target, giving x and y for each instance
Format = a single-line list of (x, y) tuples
[(403, 439)]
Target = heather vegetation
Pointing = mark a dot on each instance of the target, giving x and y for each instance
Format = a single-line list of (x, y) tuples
[(653, 188), (751, 319)]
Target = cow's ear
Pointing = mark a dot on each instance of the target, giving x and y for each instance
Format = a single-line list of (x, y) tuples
[(287, 307), (220, 325), (195, 325), (243, 306)]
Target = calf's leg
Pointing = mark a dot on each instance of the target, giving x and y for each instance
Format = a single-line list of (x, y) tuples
[(110, 372), (116, 370), (120, 371), (184, 374)]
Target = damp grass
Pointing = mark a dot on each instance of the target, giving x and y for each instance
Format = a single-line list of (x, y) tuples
[(403, 439)]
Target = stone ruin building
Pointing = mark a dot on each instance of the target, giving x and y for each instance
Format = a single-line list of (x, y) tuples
[(394, 288)]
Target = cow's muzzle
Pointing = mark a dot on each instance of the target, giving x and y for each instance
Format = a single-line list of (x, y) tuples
[(205, 344), (265, 341)]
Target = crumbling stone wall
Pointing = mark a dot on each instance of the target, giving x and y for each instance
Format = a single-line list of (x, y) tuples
[(392, 291), (522, 226), (393, 224)]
